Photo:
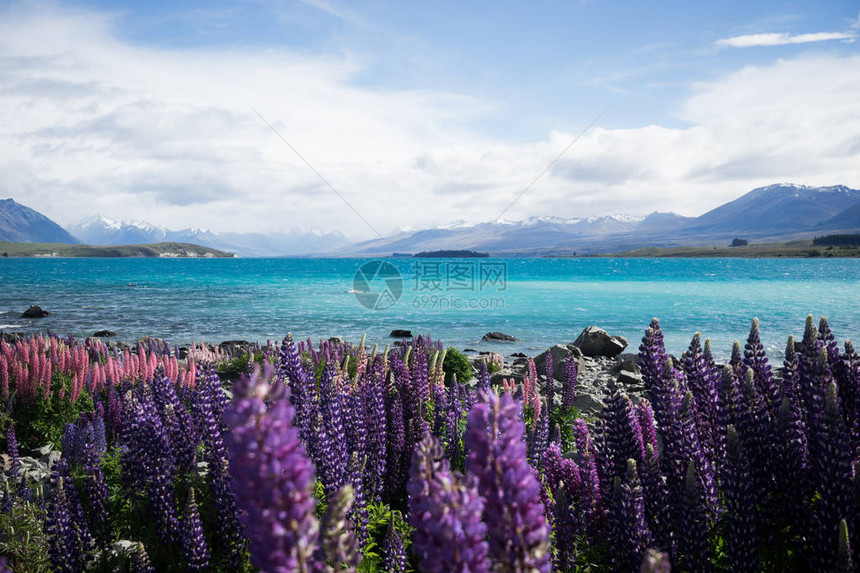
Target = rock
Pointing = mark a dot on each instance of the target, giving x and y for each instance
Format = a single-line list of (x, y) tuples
[(632, 380), (398, 333), (104, 333), (594, 341), (336, 340), (498, 336), (42, 451), (183, 353), (559, 354), (9, 337), (470, 350), (35, 311), (518, 355), (234, 343), (588, 403)]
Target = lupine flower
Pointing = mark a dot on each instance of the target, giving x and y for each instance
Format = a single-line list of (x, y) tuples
[(333, 455), (755, 359), (692, 525), (518, 532), (834, 473), (395, 555), (550, 381), (337, 543), (844, 563), (64, 542), (272, 475), (568, 396), (97, 496), (484, 377), (445, 511), (658, 510), (12, 452), (631, 536), (741, 537), (622, 436), (139, 562), (193, 543)]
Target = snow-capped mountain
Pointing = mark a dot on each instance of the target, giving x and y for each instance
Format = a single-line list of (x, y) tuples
[(776, 212), (101, 230)]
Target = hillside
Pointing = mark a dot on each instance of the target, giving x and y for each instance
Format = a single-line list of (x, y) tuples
[(163, 250), (789, 249), (21, 224)]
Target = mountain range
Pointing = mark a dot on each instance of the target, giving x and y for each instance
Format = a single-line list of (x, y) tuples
[(101, 230), (777, 212)]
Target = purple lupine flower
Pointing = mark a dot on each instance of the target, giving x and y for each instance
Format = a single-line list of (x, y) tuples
[(203, 405), (97, 496), (741, 536), (630, 533), (395, 555), (538, 437), (658, 509), (139, 561), (849, 391), (337, 543), (440, 409), (193, 543), (825, 335), (333, 454), (397, 448), (693, 545), (176, 421), (375, 418), (622, 437), (692, 450), (645, 416), (568, 395), (790, 465), (453, 430), (655, 562), (834, 475), (272, 475), (483, 377), (302, 389), (64, 543), (12, 452), (652, 359), (756, 431), (550, 381), (701, 378), (756, 359), (518, 532), (592, 500), (790, 370), (445, 511), (149, 463)]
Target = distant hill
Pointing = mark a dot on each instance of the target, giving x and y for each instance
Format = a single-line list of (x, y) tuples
[(779, 212), (162, 250), (101, 230), (782, 207), (20, 224)]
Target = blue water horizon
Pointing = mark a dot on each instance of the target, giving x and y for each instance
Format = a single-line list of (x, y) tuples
[(540, 301)]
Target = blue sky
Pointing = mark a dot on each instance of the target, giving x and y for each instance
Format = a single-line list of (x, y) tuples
[(456, 104)]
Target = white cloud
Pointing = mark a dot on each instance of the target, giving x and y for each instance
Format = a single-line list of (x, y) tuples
[(90, 123), (782, 39)]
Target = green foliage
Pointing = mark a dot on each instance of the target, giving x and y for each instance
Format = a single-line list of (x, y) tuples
[(43, 421), (241, 363), (493, 367), (22, 539), (380, 515), (456, 364), (564, 419)]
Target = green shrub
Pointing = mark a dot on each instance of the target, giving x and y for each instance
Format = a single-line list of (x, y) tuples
[(456, 363)]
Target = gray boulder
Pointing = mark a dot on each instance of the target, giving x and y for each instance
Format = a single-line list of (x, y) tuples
[(498, 337), (559, 355), (35, 311), (594, 341)]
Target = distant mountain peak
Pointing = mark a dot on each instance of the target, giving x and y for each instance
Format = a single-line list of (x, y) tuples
[(21, 224)]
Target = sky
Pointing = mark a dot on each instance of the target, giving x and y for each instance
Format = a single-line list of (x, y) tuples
[(370, 116)]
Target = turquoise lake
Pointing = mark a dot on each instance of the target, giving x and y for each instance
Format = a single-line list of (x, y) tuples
[(539, 301)]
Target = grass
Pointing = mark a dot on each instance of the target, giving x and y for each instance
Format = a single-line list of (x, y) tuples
[(164, 250), (791, 249)]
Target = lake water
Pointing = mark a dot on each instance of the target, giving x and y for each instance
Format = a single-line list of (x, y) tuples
[(539, 301)]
